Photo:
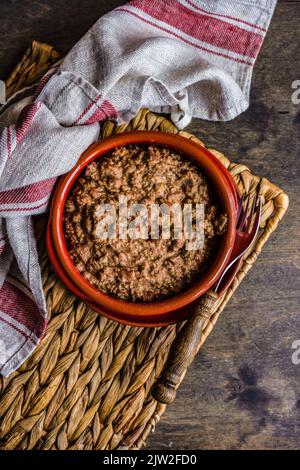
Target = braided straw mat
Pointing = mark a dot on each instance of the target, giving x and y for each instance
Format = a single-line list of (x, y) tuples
[(88, 383)]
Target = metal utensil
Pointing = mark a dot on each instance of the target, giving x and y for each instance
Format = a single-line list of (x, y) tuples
[(187, 341)]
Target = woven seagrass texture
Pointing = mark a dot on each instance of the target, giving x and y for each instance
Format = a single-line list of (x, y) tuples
[(88, 383), (38, 58)]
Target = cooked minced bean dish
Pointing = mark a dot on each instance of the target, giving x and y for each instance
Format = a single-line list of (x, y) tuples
[(140, 270)]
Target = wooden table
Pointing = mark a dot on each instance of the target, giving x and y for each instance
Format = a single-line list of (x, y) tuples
[(242, 391)]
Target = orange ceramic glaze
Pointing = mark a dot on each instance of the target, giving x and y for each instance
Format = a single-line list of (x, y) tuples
[(171, 309)]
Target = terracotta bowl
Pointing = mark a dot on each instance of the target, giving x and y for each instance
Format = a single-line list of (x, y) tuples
[(176, 307)]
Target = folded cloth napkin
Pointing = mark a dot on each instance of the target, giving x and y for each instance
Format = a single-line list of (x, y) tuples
[(185, 57)]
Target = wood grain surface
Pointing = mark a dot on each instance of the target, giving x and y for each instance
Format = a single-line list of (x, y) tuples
[(242, 391)]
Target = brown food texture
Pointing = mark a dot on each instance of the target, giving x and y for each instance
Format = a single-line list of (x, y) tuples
[(140, 269)]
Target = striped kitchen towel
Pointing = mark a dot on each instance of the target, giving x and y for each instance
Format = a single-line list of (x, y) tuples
[(185, 57)]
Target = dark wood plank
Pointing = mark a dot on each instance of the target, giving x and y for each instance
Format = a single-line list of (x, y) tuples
[(242, 390), (57, 22)]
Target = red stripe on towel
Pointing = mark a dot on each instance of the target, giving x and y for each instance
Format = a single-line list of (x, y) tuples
[(23, 209), (25, 120), (8, 142), (17, 306), (42, 84), (247, 23), (106, 110), (86, 110), (220, 54), (210, 30), (28, 194)]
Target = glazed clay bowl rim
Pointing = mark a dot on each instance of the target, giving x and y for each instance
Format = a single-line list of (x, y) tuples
[(216, 173)]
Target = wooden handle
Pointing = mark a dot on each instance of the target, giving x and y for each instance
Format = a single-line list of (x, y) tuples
[(183, 351)]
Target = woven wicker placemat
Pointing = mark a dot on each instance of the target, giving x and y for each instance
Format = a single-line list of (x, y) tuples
[(88, 383)]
